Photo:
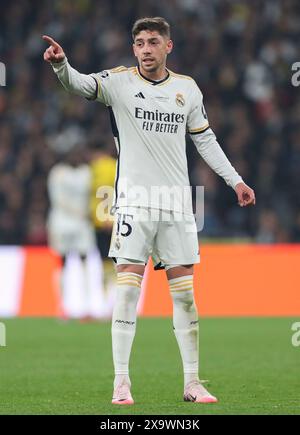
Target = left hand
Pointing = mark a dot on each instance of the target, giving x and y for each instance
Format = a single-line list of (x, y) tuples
[(245, 194)]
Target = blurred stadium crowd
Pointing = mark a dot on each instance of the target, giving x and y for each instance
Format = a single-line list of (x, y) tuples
[(239, 52)]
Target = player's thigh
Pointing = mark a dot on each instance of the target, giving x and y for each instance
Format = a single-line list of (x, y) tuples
[(130, 266), (84, 241), (79, 238), (177, 240), (177, 271), (133, 234), (60, 240)]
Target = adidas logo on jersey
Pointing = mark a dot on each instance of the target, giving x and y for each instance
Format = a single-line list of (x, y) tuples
[(140, 95)]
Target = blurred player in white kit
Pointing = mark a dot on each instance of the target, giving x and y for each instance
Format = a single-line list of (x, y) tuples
[(70, 230)]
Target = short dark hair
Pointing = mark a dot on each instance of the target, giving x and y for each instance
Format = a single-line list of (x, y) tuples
[(151, 23)]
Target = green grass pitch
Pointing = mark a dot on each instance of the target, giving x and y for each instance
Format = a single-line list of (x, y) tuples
[(50, 367)]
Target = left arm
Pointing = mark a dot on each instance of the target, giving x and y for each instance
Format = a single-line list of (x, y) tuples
[(210, 150)]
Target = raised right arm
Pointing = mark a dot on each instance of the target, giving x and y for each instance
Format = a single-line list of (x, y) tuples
[(72, 80)]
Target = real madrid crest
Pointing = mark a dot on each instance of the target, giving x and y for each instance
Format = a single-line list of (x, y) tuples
[(180, 100)]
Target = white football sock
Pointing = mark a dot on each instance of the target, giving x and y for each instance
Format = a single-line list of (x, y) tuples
[(121, 379), (185, 323), (124, 322)]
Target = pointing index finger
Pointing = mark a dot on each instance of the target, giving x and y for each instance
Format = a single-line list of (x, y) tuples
[(50, 41)]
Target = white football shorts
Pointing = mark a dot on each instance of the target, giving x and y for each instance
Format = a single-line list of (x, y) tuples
[(169, 237), (66, 239)]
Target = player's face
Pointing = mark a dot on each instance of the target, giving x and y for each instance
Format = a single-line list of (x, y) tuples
[(151, 50)]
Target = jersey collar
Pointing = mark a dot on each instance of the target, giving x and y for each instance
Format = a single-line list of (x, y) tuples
[(153, 82)]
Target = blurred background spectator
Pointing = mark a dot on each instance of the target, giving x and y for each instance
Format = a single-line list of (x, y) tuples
[(239, 52)]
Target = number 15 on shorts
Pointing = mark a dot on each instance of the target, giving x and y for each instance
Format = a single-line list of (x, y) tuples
[(123, 227)]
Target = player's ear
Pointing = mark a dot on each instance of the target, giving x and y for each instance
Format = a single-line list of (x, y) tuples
[(169, 46)]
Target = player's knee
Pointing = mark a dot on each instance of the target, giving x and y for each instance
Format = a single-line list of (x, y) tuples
[(131, 268), (177, 271), (129, 287)]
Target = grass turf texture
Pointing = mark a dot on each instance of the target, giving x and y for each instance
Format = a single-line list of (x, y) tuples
[(49, 367)]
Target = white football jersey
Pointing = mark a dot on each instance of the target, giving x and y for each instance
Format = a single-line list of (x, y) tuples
[(149, 121), (69, 195)]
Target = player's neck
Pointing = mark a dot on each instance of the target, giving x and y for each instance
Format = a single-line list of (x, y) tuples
[(157, 75)]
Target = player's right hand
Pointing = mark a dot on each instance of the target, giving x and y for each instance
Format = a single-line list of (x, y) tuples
[(54, 53)]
